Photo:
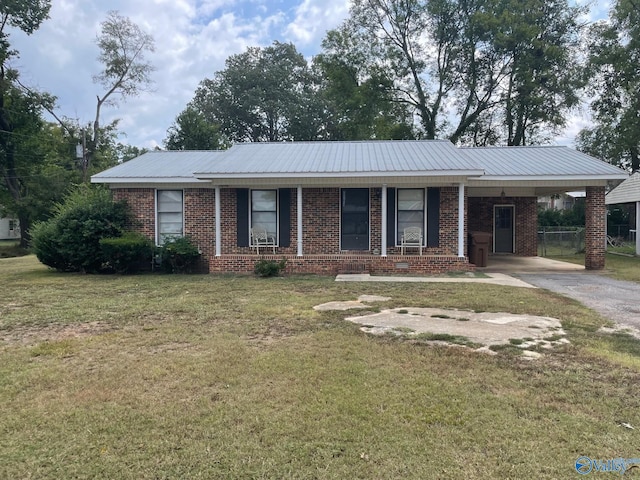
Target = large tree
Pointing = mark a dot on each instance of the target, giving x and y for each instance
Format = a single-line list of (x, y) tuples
[(462, 65), (358, 103), (192, 131), (19, 115), (614, 72), (126, 73), (260, 96)]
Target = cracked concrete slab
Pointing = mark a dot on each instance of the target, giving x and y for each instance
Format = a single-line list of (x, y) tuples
[(486, 328)]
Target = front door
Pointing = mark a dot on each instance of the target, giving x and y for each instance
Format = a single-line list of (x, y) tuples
[(503, 229), (354, 219)]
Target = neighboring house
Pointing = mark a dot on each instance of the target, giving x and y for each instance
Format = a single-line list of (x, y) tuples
[(9, 229), (343, 206), (628, 192), (562, 201)]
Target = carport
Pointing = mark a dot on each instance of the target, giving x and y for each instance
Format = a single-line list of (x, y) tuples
[(628, 192)]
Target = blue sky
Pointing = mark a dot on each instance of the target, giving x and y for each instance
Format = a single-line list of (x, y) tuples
[(193, 39)]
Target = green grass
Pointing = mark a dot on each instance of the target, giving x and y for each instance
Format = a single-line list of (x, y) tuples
[(11, 248), (620, 267), (207, 376)]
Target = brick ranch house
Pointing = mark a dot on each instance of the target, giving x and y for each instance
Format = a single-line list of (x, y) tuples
[(338, 207)]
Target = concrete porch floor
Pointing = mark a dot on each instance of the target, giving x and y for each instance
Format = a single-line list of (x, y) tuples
[(512, 264)]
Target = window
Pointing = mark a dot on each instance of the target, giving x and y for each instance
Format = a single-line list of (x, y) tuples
[(264, 210), (170, 216), (410, 204)]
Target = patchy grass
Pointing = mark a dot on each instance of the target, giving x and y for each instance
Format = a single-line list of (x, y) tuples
[(621, 267), (206, 376)]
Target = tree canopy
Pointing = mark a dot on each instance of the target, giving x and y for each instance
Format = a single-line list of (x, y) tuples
[(614, 72)]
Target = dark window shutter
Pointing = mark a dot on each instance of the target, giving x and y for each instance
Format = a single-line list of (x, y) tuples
[(242, 224), (433, 217), (391, 217), (284, 223)]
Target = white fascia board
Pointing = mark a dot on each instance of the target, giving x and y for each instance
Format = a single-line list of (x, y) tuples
[(344, 175), (148, 180), (551, 178)]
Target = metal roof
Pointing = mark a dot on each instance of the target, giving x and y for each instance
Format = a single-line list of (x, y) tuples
[(550, 162), (419, 160), (627, 192), (297, 159), (161, 166)]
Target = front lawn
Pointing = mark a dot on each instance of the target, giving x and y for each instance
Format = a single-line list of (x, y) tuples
[(209, 376)]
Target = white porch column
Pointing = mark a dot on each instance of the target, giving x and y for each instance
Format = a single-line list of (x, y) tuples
[(383, 229), (299, 221), (461, 220), (218, 223), (637, 228)]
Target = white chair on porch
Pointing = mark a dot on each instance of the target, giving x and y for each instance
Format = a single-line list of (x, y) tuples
[(411, 238), (261, 238)]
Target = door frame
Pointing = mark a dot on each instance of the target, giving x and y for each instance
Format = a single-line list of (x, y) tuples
[(368, 218), (513, 226)]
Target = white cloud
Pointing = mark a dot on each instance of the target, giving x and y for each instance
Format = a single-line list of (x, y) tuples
[(193, 39), (314, 18)]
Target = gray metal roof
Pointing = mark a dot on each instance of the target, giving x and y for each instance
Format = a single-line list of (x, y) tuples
[(315, 161), (539, 161), (161, 166), (339, 159), (627, 192)]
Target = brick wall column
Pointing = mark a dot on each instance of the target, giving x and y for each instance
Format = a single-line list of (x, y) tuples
[(595, 229)]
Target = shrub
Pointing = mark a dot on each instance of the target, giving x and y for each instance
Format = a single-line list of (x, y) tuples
[(70, 240), (269, 268), (129, 253), (179, 255)]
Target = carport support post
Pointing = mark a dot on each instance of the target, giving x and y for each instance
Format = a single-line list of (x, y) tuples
[(595, 229), (218, 223)]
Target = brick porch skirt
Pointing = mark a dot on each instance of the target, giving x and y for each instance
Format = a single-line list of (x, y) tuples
[(347, 263)]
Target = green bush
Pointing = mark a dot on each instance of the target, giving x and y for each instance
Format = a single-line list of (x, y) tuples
[(129, 253), (70, 240), (179, 255), (269, 268)]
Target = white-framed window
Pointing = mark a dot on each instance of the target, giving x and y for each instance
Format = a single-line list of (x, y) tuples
[(264, 211), (410, 210), (169, 215)]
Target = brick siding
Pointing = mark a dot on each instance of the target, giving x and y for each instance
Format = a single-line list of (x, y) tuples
[(480, 219), (321, 227), (595, 229)]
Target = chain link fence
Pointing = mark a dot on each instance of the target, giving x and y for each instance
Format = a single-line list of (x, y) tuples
[(560, 241)]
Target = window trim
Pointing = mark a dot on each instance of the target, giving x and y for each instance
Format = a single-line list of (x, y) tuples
[(250, 215), (424, 215), (157, 216)]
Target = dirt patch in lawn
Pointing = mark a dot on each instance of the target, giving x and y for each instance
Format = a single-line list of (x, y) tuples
[(29, 335)]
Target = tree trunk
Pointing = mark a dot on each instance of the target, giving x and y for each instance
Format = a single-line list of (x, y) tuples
[(25, 227)]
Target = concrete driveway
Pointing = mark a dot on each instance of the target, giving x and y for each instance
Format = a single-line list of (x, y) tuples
[(616, 300)]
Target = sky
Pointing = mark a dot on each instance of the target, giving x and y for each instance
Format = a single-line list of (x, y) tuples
[(193, 38)]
